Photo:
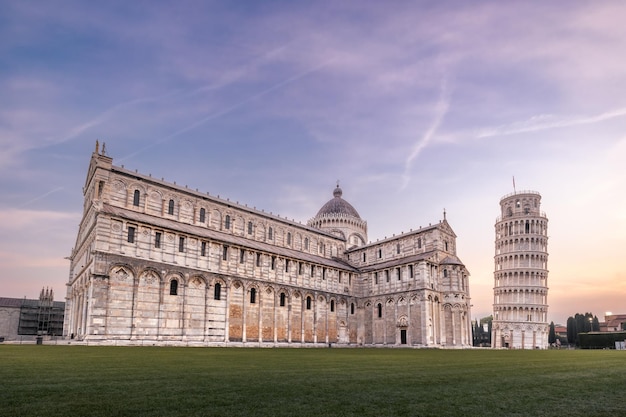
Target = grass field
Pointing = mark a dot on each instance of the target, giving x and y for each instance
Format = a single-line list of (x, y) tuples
[(153, 381)]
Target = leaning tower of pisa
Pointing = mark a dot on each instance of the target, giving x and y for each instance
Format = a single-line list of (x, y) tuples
[(520, 293)]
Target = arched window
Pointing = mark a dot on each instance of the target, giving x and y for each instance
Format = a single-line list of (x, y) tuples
[(445, 273), (270, 234), (306, 243), (398, 248), (308, 303), (249, 228), (170, 207), (227, 222), (136, 196), (217, 292), (352, 308), (380, 310), (332, 305), (252, 295), (288, 238), (202, 215), (282, 299), (174, 287), (419, 243)]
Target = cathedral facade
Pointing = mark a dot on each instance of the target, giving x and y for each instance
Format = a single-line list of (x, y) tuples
[(160, 264)]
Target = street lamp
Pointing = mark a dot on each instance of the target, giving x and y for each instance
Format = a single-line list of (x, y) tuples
[(590, 324)]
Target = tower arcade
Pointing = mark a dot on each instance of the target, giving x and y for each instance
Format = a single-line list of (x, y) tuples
[(520, 304)]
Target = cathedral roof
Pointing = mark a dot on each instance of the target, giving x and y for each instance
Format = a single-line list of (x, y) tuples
[(451, 260), (338, 205)]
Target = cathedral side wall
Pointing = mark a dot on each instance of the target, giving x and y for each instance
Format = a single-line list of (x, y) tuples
[(156, 263)]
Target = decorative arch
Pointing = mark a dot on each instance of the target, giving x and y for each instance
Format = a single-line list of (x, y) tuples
[(150, 276), (122, 272)]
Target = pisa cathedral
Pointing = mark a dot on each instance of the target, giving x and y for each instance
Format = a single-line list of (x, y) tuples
[(157, 263)]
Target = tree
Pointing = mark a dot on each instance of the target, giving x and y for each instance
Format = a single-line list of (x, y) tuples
[(552, 334), (581, 323), (571, 330), (595, 324)]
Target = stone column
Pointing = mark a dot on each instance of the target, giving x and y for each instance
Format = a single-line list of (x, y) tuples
[(260, 318), (227, 311), (243, 315)]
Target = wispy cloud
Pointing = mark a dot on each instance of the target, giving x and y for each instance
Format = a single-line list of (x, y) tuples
[(107, 114), (441, 108), (24, 219), (229, 77), (29, 202), (228, 109), (543, 122)]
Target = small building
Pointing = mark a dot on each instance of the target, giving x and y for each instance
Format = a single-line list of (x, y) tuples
[(613, 323), (23, 319)]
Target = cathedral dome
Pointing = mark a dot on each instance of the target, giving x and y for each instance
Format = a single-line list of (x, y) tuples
[(338, 205)]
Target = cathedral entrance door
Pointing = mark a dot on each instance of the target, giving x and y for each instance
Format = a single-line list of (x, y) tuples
[(403, 336), (343, 333)]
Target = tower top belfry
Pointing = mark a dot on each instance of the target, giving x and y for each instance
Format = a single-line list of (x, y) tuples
[(521, 203)]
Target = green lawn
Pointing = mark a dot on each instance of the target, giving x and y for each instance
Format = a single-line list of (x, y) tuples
[(152, 381)]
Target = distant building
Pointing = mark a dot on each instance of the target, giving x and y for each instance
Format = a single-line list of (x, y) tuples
[(613, 323), (159, 263), (482, 332), (560, 331), (25, 319), (520, 306)]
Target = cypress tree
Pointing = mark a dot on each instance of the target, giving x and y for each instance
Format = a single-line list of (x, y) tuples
[(552, 334), (571, 330)]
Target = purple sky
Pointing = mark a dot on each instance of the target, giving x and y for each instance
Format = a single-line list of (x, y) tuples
[(413, 106)]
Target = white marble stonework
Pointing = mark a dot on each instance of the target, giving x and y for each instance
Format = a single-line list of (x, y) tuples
[(520, 306), (156, 263)]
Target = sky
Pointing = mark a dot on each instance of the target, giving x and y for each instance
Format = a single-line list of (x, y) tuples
[(414, 106)]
